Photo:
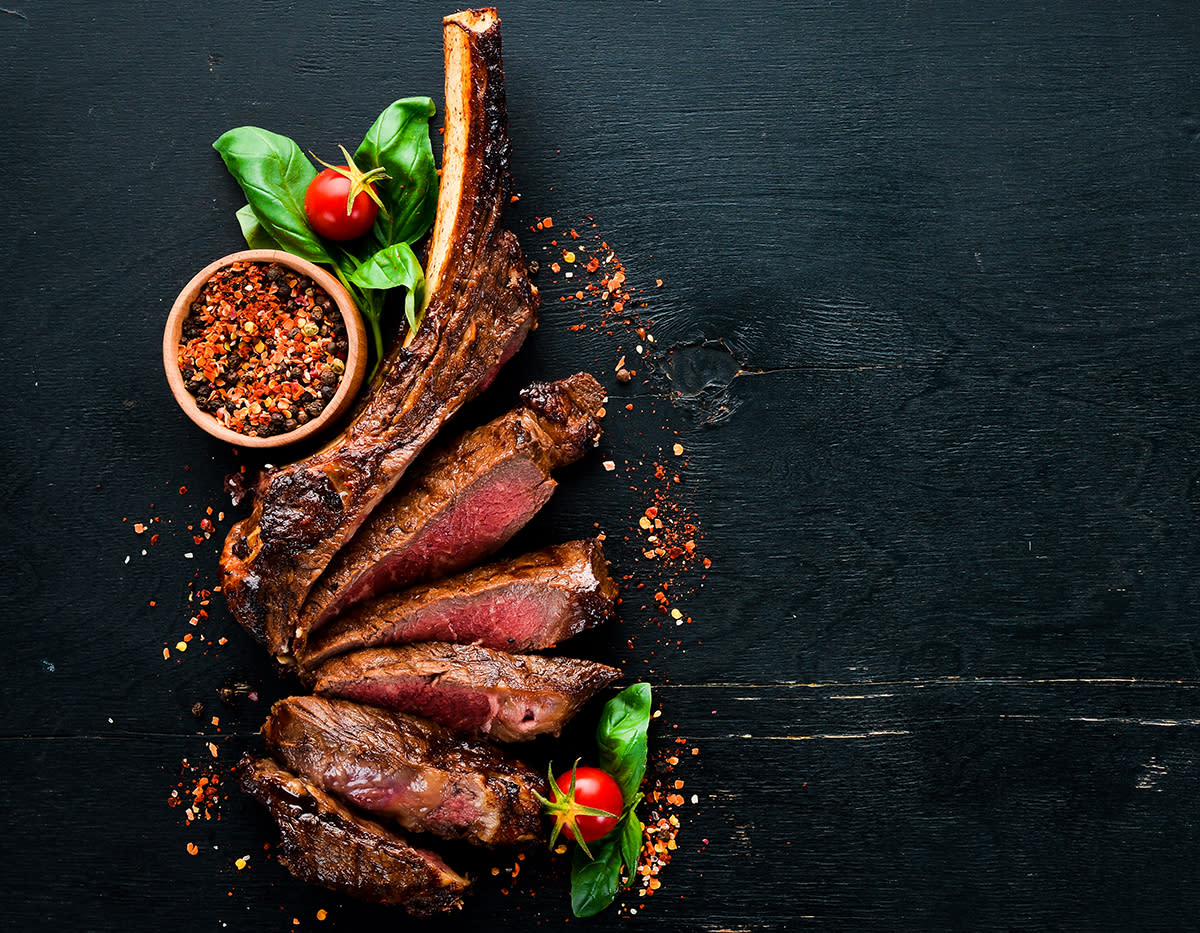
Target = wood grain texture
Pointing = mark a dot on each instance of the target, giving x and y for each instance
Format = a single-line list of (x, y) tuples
[(928, 333)]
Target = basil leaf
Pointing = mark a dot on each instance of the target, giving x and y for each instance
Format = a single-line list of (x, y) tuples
[(621, 737), (274, 174), (631, 843), (392, 266), (399, 141), (594, 881), (254, 232)]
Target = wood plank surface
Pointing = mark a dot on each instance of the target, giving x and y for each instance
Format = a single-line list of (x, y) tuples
[(928, 332)]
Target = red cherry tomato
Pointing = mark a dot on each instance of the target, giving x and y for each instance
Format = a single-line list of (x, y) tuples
[(325, 206), (593, 788)]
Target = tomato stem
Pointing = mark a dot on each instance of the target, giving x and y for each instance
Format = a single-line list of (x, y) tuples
[(360, 181)]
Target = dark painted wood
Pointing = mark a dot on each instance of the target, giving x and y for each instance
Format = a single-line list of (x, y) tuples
[(928, 332)]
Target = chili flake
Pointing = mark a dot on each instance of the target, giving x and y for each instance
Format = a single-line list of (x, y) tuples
[(263, 348)]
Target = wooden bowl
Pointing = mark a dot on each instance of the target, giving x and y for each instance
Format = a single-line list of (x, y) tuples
[(356, 355)]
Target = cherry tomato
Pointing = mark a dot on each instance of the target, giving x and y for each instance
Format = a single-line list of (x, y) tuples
[(596, 789), (325, 205)]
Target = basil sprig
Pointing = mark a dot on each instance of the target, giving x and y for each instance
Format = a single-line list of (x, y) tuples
[(621, 738), (274, 174)]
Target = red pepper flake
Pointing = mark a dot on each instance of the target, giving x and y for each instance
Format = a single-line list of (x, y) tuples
[(263, 348), (193, 849)]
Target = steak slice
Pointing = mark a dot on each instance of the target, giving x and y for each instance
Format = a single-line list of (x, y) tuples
[(511, 697), (323, 843), (464, 501), (481, 306), (528, 603), (416, 772)]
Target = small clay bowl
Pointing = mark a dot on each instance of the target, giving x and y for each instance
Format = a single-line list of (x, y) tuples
[(356, 356)]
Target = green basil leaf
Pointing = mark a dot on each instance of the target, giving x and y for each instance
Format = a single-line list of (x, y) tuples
[(594, 881), (399, 141), (274, 174), (631, 842), (621, 737), (255, 233), (395, 265)]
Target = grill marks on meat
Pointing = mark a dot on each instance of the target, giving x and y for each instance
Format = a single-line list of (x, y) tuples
[(481, 307), (322, 842), (467, 499), (528, 603), (510, 697), (411, 770)]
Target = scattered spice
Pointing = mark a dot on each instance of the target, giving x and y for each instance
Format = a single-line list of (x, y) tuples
[(198, 792), (262, 349)]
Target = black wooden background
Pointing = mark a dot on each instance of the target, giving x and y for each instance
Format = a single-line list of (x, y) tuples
[(929, 333)]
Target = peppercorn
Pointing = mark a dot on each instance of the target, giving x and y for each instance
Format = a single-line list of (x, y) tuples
[(259, 340)]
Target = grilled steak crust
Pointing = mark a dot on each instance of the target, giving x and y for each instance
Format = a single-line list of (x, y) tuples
[(416, 772), (527, 603), (510, 697), (463, 501), (480, 309), (323, 843)]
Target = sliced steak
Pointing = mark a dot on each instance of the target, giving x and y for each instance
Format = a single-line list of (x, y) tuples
[(464, 501), (481, 307), (414, 771), (323, 843), (511, 697), (528, 603)]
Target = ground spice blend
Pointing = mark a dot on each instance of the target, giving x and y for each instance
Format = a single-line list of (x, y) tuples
[(262, 349)]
